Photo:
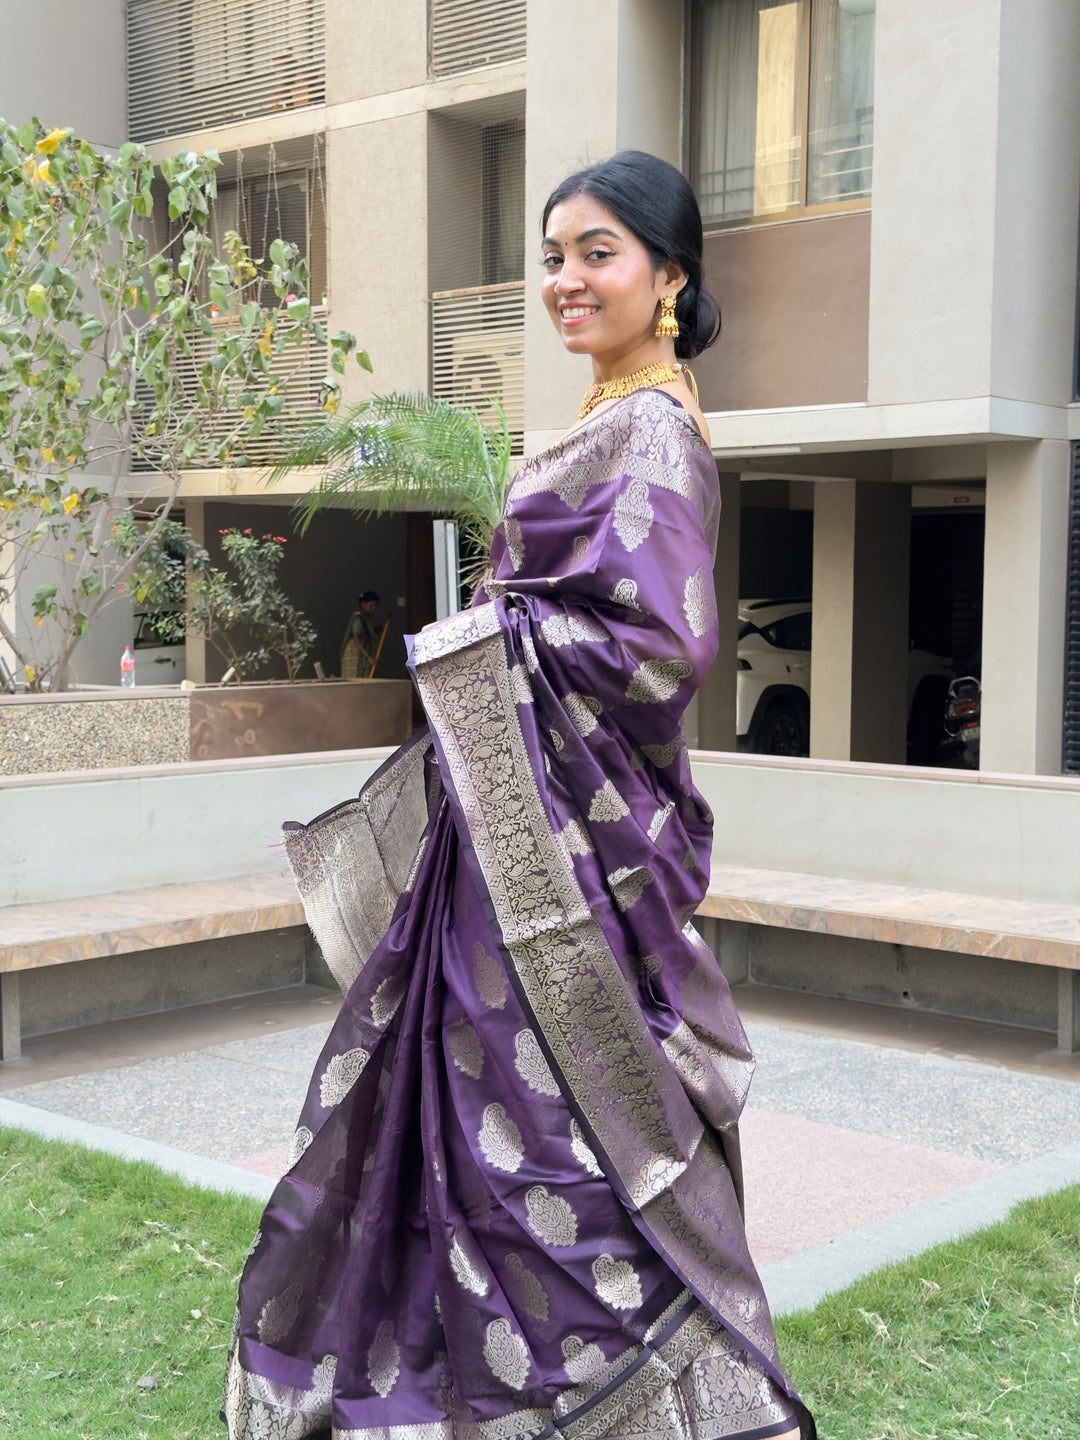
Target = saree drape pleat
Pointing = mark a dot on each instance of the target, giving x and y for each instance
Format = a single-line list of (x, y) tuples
[(512, 1208)]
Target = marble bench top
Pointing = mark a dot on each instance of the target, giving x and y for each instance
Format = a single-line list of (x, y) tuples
[(1032, 931), (61, 931)]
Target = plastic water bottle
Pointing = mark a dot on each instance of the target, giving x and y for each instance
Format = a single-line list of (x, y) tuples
[(127, 668)]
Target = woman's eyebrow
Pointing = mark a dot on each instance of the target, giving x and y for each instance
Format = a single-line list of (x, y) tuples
[(585, 235)]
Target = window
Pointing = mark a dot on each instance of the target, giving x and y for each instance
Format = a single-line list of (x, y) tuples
[(783, 106)]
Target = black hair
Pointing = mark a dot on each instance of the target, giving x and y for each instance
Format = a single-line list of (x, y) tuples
[(653, 200), (366, 596)]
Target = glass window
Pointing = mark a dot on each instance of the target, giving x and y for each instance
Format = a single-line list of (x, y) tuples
[(783, 105)]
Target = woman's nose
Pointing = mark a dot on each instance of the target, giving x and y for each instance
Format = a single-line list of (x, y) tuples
[(569, 278)]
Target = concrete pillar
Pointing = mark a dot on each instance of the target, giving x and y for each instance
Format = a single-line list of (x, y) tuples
[(634, 50), (195, 645), (716, 697), (1027, 492), (858, 684)]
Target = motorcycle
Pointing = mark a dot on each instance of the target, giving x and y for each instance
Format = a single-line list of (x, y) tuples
[(963, 715)]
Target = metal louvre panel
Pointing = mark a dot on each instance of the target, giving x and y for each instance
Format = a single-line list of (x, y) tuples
[(300, 370), (466, 34), (478, 352), (1070, 748), (193, 64)]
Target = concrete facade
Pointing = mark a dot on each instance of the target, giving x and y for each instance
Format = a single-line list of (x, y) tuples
[(919, 337)]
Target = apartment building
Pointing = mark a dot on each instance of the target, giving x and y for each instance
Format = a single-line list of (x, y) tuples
[(891, 202)]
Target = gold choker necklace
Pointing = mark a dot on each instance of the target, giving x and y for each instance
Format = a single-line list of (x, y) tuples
[(601, 390)]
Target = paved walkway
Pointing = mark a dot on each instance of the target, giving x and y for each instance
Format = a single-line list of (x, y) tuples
[(871, 1134)]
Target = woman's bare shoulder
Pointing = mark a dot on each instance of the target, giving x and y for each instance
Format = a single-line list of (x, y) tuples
[(681, 391)]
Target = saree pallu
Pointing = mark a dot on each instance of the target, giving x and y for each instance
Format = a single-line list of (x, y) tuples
[(513, 1202)]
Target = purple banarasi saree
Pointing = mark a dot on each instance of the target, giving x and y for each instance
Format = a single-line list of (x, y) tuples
[(512, 1209)]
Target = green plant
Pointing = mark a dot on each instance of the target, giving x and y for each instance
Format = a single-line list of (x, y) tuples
[(409, 451), (246, 616), (108, 355)]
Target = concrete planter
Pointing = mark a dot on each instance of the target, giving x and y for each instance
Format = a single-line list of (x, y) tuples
[(107, 729)]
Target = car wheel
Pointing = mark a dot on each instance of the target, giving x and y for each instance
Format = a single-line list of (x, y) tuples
[(784, 730)]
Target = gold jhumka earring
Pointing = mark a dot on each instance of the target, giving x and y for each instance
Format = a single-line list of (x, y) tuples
[(667, 327)]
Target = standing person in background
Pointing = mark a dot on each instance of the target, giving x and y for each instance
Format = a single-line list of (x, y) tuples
[(513, 1210), (361, 643)]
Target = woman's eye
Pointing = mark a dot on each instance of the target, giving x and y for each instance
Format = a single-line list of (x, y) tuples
[(600, 254), (550, 261)]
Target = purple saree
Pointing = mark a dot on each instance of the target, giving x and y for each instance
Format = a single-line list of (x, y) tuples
[(513, 1202)]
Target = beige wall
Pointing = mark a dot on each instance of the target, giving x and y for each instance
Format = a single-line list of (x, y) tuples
[(932, 237), (378, 243), (793, 298), (64, 62), (1035, 220), (374, 48)]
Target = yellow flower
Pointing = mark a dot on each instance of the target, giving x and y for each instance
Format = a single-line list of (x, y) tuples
[(47, 454), (330, 404), (51, 141), (70, 555), (38, 620), (71, 503), (43, 171), (264, 343), (37, 170), (30, 671)]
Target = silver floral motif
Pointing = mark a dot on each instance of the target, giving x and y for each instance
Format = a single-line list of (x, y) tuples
[(567, 626), (659, 820), (489, 978), (583, 1152), (655, 681), (628, 883), (466, 1050), (528, 649), (506, 1354), (582, 710), (414, 869), (662, 755), (608, 805), (278, 1315), (580, 551), (466, 1271), (530, 1064), (340, 1076), (526, 1291), (386, 998), (515, 544), (632, 516), (520, 687), (576, 838), (617, 1282), (699, 600), (384, 1360), (557, 740), (550, 1217), (625, 593), (500, 1140), (301, 1139), (580, 1361)]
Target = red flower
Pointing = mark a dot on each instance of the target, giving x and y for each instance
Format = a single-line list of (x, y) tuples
[(281, 539)]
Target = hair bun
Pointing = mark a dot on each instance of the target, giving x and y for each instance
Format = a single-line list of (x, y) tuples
[(699, 321)]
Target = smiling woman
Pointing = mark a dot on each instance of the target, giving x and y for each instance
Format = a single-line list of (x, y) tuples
[(513, 1209)]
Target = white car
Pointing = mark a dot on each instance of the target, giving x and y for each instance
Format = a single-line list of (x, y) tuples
[(772, 699), (157, 662)]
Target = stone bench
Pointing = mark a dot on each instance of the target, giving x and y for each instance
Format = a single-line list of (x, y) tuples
[(1025, 931), (64, 932)]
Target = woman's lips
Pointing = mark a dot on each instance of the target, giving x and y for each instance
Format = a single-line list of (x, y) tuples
[(575, 314)]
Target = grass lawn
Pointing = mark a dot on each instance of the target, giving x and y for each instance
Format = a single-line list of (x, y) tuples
[(974, 1340), (115, 1275)]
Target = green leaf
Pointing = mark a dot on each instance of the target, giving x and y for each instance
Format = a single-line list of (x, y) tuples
[(91, 329), (279, 253), (249, 313), (37, 301), (80, 625), (120, 213), (298, 309), (43, 594), (363, 359), (162, 286)]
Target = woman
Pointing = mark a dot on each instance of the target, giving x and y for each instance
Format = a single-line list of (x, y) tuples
[(513, 1208)]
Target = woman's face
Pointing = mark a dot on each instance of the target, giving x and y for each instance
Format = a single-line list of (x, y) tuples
[(600, 288)]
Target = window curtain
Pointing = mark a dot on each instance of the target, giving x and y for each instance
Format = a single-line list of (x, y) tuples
[(749, 134), (841, 129)]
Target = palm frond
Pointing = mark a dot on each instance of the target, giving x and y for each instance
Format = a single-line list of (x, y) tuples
[(407, 451)]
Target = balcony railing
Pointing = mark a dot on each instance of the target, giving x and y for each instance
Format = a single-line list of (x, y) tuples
[(299, 372), (478, 352), (195, 64)]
